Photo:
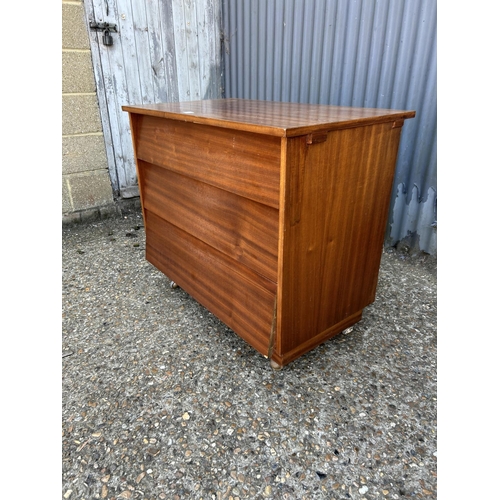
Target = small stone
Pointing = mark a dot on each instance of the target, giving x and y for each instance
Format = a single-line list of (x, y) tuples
[(125, 494), (321, 475), (385, 492), (186, 416), (104, 491), (68, 493), (267, 491), (105, 478), (140, 477), (363, 489)]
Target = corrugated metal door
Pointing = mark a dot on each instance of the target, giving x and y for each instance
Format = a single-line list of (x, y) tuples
[(164, 51), (366, 53)]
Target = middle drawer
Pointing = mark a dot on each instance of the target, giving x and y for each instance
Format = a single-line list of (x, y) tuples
[(242, 229)]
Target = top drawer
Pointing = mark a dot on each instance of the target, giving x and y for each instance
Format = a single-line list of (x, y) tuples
[(244, 163)]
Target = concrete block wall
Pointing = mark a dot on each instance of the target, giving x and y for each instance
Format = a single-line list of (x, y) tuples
[(86, 185)]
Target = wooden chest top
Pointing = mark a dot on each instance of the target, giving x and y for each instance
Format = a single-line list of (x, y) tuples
[(282, 119)]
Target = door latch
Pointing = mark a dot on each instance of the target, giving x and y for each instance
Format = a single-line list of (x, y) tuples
[(107, 39)]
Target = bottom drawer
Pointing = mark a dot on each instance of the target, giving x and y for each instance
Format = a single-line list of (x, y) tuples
[(241, 298)]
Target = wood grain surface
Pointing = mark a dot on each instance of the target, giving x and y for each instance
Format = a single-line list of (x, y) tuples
[(282, 119), (271, 215), (242, 229), (244, 163), (238, 296), (335, 211)]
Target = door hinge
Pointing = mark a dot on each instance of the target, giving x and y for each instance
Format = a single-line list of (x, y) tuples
[(103, 26), (107, 39)]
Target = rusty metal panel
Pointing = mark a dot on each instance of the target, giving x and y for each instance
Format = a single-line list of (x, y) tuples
[(368, 53)]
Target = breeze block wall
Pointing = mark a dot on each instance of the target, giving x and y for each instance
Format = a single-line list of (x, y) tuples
[(86, 185)]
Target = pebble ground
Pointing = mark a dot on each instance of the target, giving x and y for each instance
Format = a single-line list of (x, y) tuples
[(162, 401)]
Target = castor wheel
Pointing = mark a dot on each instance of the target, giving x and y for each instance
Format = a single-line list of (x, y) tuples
[(275, 366), (173, 285), (348, 330)]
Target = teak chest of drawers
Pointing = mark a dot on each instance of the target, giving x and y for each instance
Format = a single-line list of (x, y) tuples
[(271, 215)]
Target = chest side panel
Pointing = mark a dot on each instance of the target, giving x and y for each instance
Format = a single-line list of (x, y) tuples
[(335, 210)]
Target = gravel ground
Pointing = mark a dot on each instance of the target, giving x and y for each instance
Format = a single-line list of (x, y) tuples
[(162, 401)]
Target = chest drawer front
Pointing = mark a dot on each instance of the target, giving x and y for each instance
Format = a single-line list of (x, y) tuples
[(244, 163), (242, 229), (242, 299)]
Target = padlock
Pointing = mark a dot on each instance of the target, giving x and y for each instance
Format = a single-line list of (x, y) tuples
[(107, 39)]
